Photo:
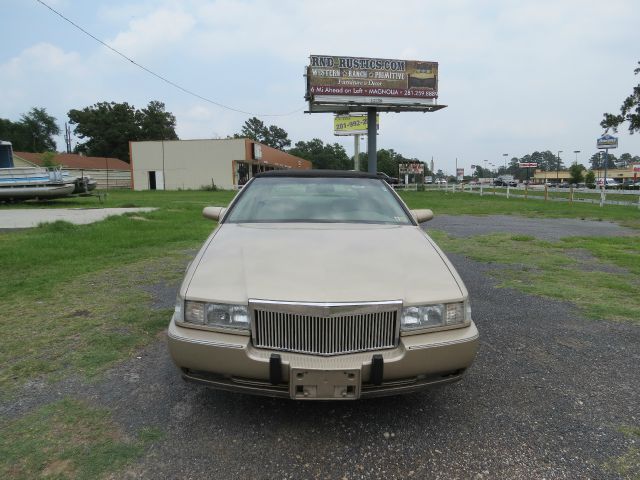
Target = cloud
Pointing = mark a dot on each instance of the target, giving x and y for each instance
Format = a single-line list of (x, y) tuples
[(154, 33), (35, 75), (42, 58)]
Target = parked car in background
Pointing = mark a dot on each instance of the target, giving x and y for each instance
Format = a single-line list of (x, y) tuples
[(630, 184), (388, 179), (285, 299), (607, 183), (498, 182)]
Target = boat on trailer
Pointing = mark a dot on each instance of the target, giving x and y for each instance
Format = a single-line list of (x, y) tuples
[(24, 183)]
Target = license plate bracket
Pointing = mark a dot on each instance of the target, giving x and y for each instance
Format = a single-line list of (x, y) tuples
[(311, 384)]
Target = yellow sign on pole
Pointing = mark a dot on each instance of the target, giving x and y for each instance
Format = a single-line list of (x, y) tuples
[(352, 124)]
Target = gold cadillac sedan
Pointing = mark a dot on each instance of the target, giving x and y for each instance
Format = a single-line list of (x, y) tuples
[(321, 285)]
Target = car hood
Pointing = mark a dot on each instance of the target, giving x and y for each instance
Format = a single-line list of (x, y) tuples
[(321, 263)]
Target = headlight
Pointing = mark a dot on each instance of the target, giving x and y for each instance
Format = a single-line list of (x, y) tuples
[(216, 314), (435, 316)]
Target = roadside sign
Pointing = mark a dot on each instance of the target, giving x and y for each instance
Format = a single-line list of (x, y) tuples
[(352, 124), (527, 165), (416, 168), (607, 141)]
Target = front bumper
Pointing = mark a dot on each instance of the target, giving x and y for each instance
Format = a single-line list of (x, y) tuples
[(230, 362)]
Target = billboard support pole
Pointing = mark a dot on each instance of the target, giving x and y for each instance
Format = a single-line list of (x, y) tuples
[(356, 152), (372, 134)]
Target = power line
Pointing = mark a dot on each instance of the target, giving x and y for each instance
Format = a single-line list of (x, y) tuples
[(160, 77)]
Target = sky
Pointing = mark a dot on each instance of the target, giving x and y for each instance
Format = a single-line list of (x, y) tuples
[(516, 76)]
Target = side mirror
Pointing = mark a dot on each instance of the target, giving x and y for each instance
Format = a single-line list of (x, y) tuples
[(214, 213), (422, 215)]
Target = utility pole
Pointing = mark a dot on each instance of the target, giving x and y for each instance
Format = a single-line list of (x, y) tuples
[(67, 136), (558, 168), (371, 141)]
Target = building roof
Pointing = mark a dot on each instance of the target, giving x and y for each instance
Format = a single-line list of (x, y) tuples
[(73, 160)]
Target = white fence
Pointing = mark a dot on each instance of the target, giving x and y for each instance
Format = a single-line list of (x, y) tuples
[(107, 179)]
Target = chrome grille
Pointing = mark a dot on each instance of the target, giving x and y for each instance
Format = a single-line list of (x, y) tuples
[(325, 329)]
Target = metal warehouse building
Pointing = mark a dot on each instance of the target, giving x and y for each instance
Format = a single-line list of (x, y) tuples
[(193, 164)]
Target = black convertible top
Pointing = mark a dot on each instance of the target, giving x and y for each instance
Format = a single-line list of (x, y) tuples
[(290, 172)]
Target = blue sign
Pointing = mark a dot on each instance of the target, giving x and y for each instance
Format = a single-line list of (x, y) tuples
[(607, 141)]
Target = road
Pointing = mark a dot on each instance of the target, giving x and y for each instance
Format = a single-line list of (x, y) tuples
[(544, 399)]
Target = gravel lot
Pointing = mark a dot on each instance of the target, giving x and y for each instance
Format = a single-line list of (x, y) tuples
[(544, 399)]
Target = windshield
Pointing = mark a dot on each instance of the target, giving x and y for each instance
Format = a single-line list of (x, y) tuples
[(309, 199)]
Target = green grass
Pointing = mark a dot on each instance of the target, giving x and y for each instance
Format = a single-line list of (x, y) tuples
[(70, 299), (603, 281), (34, 262), (84, 324), (628, 464), (473, 204), (67, 440)]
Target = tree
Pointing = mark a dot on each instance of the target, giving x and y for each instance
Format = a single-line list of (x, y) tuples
[(481, 172), (590, 178), (34, 131), (156, 123), (273, 136), (576, 172), (626, 159), (388, 162), (42, 128), (13, 132), (333, 157), (109, 127), (49, 159), (254, 128), (277, 137), (629, 112), (597, 161)]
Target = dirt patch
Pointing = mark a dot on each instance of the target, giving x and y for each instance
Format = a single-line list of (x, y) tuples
[(589, 263), (59, 468)]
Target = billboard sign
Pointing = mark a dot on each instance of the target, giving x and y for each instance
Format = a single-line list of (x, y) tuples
[(371, 81), (607, 141), (413, 167), (527, 165), (460, 174), (352, 124)]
